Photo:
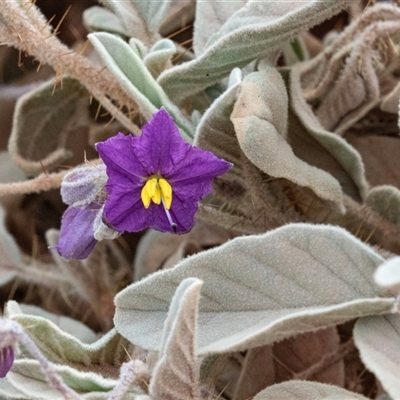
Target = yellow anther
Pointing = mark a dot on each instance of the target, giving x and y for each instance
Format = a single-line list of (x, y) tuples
[(146, 199), (166, 192), (151, 186), (155, 190)]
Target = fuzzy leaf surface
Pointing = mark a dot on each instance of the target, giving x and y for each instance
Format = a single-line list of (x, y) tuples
[(42, 118), (26, 377), (385, 200), (10, 254), (254, 31), (176, 376), (212, 14), (378, 338), (63, 348), (388, 275), (260, 119), (135, 79), (348, 157), (304, 390), (261, 289), (152, 12), (100, 19)]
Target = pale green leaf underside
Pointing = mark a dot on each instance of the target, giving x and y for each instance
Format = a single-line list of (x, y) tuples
[(304, 390), (134, 78), (100, 19), (41, 118), (261, 289), (388, 275), (26, 377), (63, 348), (254, 31), (152, 12), (260, 119), (378, 339)]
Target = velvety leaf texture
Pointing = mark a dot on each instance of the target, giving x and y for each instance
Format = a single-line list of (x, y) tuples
[(303, 390), (135, 79), (62, 347), (388, 275), (254, 31), (260, 120), (176, 376), (42, 118), (261, 289), (378, 338)]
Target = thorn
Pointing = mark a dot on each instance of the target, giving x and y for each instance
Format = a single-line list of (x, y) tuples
[(97, 112), (110, 121), (48, 23), (43, 168), (179, 31), (56, 30), (84, 46), (181, 54)]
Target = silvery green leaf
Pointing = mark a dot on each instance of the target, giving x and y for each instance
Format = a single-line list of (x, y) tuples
[(100, 19), (260, 117), (152, 13), (129, 18), (10, 254), (350, 163), (158, 250), (215, 130), (254, 31), (211, 14), (159, 57), (27, 377), (176, 374), (61, 347), (42, 119), (385, 200), (66, 324), (388, 275), (378, 338), (304, 390), (261, 289), (138, 47), (134, 78)]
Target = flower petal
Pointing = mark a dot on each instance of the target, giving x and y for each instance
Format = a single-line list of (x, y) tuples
[(194, 175), (119, 155), (124, 210), (83, 185), (160, 148), (6, 360), (76, 239)]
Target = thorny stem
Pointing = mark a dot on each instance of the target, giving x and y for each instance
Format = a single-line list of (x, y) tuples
[(14, 329), (24, 33), (41, 183)]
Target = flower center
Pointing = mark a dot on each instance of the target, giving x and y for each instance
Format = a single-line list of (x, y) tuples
[(157, 190)]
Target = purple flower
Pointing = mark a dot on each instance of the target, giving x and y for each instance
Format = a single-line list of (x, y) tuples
[(82, 223), (6, 360), (156, 180), (8, 345)]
